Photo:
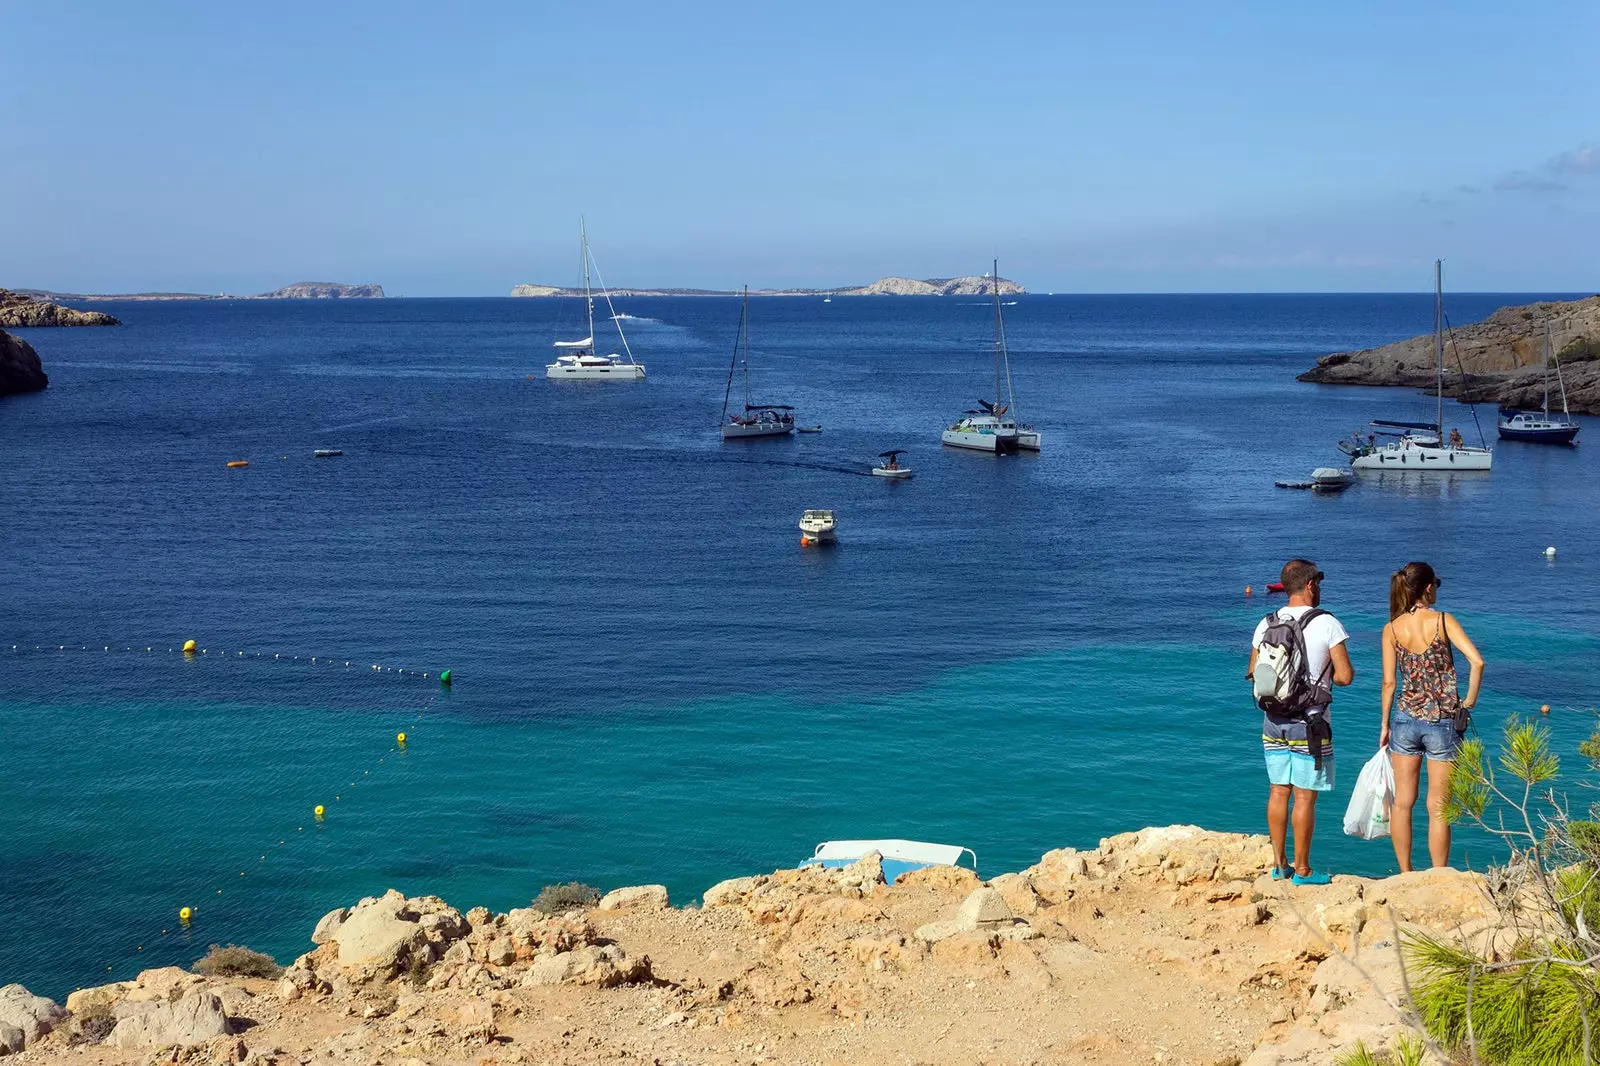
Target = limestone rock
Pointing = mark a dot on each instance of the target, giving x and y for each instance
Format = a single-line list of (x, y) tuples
[(604, 966), (20, 369), (1017, 890), (733, 890), (387, 933), (954, 881), (33, 1015), (503, 951), (934, 932), (329, 925), (648, 897), (194, 1019), (12, 1039), (98, 998), (985, 908), (19, 310)]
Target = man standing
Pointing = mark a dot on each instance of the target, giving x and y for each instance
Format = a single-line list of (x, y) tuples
[(1299, 742)]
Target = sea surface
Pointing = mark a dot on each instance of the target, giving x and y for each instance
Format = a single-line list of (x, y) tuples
[(653, 680)]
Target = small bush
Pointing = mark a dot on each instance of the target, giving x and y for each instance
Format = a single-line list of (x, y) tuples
[(417, 972), (572, 896), (1408, 1051), (92, 1026), (236, 961)]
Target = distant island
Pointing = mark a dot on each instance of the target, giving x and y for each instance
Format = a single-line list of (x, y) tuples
[(21, 309), (300, 290), (1501, 359), (972, 285)]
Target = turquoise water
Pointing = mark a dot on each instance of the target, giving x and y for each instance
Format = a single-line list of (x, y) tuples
[(654, 682)]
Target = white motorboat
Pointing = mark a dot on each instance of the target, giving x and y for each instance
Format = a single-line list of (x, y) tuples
[(898, 856), (808, 429), (817, 526), (890, 467), (1541, 427), (991, 429), (578, 360), (1420, 445), (1331, 479), (757, 419)]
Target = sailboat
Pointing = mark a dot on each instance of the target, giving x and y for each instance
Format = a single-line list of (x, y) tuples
[(1541, 428), (990, 429), (1420, 445), (757, 419), (578, 361)]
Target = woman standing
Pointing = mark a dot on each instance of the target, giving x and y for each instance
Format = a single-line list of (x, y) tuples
[(1431, 715)]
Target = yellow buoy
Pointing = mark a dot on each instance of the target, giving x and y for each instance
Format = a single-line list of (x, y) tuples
[(189, 647), (318, 811), (185, 915), (400, 738)]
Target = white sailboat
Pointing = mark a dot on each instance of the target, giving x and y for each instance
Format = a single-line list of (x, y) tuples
[(1541, 427), (1420, 445), (757, 419), (578, 360), (991, 429)]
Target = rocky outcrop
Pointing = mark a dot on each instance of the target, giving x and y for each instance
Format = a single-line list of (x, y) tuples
[(1499, 360), (651, 897), (323, 290), (191, 1019), (25, 1017), (20, 369), (19, 311)]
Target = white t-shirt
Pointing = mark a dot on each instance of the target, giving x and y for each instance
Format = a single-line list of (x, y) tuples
[(1322, 636)]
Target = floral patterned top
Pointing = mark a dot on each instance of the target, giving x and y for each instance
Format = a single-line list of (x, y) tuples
[(1428, 690)]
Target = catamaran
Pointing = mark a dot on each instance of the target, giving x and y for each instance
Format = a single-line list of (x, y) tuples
[(1540, 427), (991, 429), (578, 360), (1420, 445), (757, 419)]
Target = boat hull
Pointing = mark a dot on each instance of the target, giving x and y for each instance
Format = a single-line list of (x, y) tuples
[(1030, 440), (977, 441), (731, 431), (1558, 435), (1436, 460), (625, 372), (879, 471)]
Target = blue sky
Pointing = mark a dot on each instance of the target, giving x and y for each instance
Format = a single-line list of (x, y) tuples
[(1133, 147)]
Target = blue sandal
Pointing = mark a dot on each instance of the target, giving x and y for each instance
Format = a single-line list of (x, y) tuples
[(1313, 878), (1280, 872)]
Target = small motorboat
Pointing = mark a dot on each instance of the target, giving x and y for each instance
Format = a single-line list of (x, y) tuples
[(808, 429), (1276, 586), (326, 453), (817, 526), (890, 467), (1322, 479), (899, 856)]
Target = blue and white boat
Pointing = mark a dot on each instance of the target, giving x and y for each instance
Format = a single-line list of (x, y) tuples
[(899, 856), (1541, 427)]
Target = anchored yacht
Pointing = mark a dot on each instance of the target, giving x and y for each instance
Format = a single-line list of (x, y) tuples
[(578, 360)]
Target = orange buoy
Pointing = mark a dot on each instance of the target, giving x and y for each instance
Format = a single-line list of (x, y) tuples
[(1248, 591), (1544, 708), (239, 462)]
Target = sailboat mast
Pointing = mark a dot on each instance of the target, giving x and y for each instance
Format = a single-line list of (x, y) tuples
[(1547, 370), (994, 285), (1438, 345), (744, 326), (588, 300)]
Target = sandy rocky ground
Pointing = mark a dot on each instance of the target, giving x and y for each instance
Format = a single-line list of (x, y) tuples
[(1168, 945)]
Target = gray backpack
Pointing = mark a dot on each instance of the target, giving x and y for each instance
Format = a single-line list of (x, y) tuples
[(1284, 686)]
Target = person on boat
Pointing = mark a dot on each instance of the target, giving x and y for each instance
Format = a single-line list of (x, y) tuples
[(1299, 750), (1456, 440), (1431, 716)]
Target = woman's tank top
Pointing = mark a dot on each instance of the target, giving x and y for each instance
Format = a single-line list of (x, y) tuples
[(1428, 689)]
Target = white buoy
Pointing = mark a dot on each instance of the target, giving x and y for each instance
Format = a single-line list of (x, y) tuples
[(1550, 552)]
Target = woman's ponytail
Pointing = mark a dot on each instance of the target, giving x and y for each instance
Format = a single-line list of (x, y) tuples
[(1407, 587)]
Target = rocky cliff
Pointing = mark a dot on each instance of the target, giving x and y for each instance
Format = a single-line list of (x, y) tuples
[(323, 290), (17, 310), (1503, 358), (975, 285), (20, 369), (1168, 945)]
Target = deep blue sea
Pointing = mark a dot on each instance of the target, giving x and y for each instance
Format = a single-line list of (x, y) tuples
[(653, 680)]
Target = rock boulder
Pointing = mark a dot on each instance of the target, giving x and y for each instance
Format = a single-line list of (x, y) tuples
[(33, 1015), (647, 897), (194, 1019), (20, 369), (19, 310)]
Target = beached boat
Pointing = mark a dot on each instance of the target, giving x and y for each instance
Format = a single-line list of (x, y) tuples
[(817, 526), (578, 360), (899, 856), (1419, 446), (992, 429), (890, 467), (1541, 427), (757, 419)]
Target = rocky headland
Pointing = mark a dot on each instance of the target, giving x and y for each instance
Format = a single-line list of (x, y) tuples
[(975, 285), (323, 290), (20, 369), (18, 310), (1168, 945), (1503, 358)]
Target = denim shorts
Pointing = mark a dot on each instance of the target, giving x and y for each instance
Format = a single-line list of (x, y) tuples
[(1412, 736)]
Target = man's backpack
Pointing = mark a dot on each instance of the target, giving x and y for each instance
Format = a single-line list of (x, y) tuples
[(1284, 686)]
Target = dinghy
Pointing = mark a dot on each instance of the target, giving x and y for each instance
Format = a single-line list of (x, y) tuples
[(899, 856), (890, 467)]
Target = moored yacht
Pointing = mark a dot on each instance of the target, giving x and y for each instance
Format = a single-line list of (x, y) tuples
[(991, 429), (1541, 427), (578, 360), (757, 419)]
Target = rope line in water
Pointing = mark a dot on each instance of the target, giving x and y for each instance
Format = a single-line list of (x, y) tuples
[(219, 653)]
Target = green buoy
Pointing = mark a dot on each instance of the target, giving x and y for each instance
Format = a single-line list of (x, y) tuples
[(444, 677)]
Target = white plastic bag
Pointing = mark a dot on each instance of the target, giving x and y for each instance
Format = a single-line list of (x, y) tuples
[(1367, 816)]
